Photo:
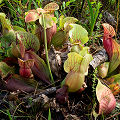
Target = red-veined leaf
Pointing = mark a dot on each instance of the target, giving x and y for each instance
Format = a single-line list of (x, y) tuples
[(26, 63), (51, 7), (111, 46), (115, 58), (107, 42), (25, 67), (58, 39), (21, 46), (29, 40), (40, 10), (108, 29), (105, 98), (39, 68), (31, 16)]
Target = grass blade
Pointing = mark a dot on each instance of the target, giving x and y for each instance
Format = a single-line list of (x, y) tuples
[(8, 113), (49, 115)]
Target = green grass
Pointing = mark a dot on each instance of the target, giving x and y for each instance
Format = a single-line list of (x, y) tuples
[(49, 115), (93, 15)]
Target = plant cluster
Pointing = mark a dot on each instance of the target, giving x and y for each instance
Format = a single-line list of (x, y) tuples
[(22, 67)]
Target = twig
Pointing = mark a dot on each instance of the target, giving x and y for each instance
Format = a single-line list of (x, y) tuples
[(40, 98), (40, 92)]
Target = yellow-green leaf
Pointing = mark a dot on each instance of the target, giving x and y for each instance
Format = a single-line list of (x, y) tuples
[(84, 51), (5, 69), (74, 81), (103, 69), (6, 25), (64, 22), (49, 20), (83, 69), (61, 25), (7, 39), (73, 62), (18, 28), (78, 34), (1, 1)]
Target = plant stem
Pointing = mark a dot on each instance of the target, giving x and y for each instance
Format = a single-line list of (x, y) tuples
[(46, 51)]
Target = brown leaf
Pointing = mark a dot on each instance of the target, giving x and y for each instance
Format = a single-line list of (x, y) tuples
[(16, 83)]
